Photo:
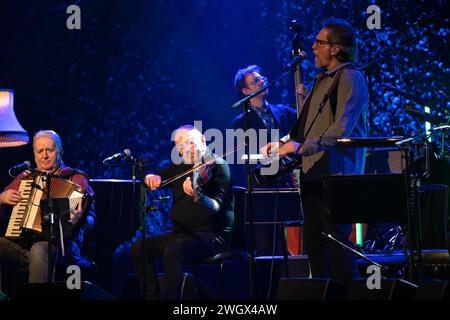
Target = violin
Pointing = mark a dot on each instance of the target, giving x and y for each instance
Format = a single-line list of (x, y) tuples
[(203, 175), (202, 172)]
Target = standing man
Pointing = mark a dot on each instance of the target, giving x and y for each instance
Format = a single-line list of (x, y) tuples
[(263, 115), (336, 107)]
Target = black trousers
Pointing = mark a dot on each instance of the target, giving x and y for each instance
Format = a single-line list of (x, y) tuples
[(175, 251), (327, 259)]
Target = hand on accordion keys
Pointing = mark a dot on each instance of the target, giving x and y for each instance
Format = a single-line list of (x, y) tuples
[(11, 197)]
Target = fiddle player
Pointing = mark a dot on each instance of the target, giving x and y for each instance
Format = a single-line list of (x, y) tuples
[(314, 137), (24, 251), (201, 214)]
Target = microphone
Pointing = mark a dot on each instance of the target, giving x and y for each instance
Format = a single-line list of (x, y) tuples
[(121, 155), (26, 165), (22, 166), (293, 63)]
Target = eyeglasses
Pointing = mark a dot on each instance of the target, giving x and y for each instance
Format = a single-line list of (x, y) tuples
[(256, 80), (186, 145), (321, 42)]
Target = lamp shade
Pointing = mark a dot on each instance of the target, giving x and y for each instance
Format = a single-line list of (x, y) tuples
[(11, 132)]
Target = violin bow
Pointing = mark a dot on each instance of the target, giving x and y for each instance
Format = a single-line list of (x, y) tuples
[(170, 180)]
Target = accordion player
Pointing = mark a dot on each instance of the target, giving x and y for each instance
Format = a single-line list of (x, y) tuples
[(29, 217), (72, 205), (69, 189)]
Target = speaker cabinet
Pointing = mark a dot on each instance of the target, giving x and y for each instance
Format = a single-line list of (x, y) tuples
[(310, 289), (390, 289), (433, 290), (3, 296), (59, 291), (269, 270)]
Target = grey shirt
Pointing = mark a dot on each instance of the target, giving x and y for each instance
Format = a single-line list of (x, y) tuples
[(320, 154)]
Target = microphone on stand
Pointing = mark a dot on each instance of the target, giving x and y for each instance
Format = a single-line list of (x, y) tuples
[(26, 165), (292, 65), (126, 154)]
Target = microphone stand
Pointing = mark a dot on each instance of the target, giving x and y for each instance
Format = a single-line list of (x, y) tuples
[(140, 163), (412, 182), (50, 221), (383, 269), (245, 104), (133, 198)]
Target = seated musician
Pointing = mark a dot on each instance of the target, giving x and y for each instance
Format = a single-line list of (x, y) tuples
[(201, 214), (24, 251)]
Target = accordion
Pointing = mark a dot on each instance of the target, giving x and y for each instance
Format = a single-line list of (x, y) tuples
[(27, 216)]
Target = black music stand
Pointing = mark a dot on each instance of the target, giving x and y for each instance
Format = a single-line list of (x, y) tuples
[(369, 198), (282, 201)]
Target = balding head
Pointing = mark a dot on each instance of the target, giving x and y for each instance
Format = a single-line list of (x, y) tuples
[(190, 144)]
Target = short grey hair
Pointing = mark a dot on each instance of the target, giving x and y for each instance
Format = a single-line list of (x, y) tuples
[(49, 134)]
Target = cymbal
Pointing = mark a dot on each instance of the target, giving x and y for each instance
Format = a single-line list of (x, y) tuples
[(425, 116), (373, 142)]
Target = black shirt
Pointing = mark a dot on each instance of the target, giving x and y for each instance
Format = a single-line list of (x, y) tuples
[(189, 216)]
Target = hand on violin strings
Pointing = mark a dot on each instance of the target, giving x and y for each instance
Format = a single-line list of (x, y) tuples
[(152, 181)]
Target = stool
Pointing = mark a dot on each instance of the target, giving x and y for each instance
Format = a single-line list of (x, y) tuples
[(220, 259)]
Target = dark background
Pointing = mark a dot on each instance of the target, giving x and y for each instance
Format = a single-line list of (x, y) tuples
[(139, 69)]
